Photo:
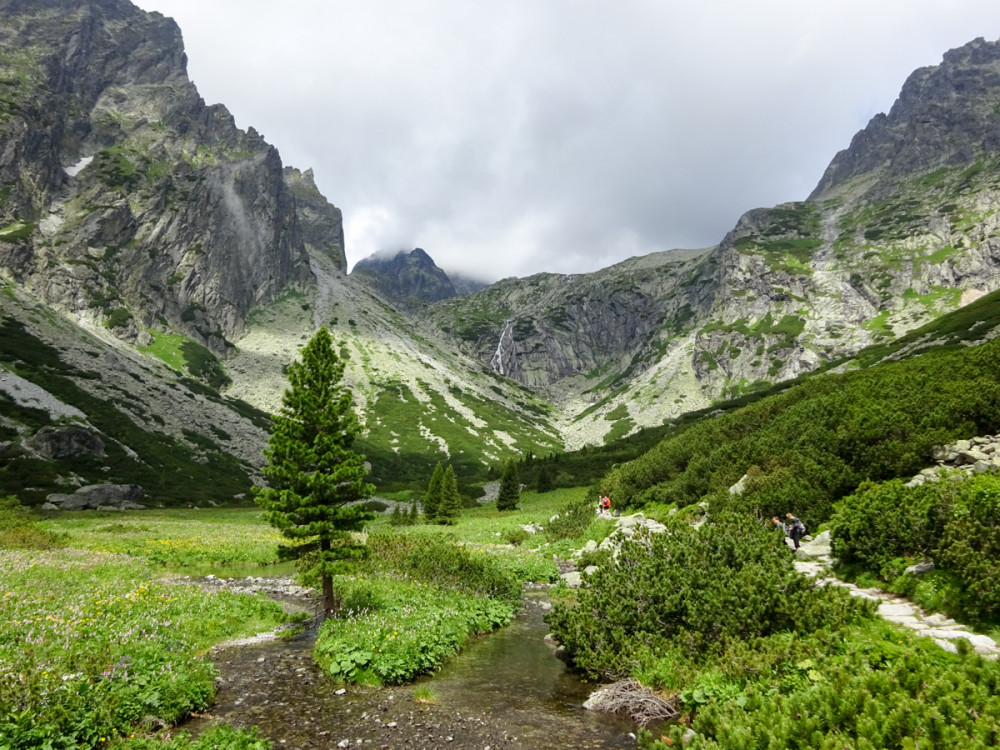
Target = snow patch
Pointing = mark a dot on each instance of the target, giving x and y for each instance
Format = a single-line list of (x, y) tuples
[(79, 166)]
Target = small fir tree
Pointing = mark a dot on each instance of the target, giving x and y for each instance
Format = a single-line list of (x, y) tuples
[(451, 501), (432, 498), (413, 512), (510, 487), (545, 478), (311, 470)]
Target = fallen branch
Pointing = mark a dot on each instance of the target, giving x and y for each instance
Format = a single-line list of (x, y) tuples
[(641, 704)]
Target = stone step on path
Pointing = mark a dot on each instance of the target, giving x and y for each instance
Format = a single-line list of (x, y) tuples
[(815, 560)]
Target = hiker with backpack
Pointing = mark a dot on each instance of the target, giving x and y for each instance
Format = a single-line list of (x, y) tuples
[(795, 529)]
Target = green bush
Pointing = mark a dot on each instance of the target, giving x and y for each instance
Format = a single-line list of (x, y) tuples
[(516, 536), (392, 630), (573, 520), (18, 529), (442, 563), (882, 528), (820, 439), (869, 690), (880, 522), (970, 547), (694, 591)]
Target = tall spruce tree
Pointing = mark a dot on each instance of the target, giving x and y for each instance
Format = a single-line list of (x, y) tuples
[(510, 487), (546, 478), (451, 501), (311, 470), (432, 498)]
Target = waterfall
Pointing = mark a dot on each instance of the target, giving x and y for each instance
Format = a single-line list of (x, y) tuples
[(497, 362)]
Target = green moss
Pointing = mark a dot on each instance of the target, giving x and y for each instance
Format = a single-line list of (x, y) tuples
[(119, 317), (17, 232)]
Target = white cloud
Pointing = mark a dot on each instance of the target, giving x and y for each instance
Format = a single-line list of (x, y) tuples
[(513, 137)]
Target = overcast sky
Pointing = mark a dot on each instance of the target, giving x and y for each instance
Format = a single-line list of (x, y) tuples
[(509, 137)]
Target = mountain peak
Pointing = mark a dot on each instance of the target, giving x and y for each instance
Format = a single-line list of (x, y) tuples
[(406, 276), (945, 115)]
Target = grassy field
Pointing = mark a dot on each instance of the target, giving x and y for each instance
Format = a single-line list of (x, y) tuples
[(92, 645), (97, 647), (173, 537)]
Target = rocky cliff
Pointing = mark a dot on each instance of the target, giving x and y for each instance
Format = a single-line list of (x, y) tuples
[(407, 278), (156, 228), (126, 200), (903, 227)]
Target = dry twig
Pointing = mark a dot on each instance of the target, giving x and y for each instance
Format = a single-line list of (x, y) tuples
[(641, 704)]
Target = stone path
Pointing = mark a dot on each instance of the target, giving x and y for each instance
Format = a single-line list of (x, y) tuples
[(815, 560)]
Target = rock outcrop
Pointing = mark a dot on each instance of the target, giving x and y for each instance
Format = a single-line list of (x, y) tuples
[(961, 458), (70, 441), (126, 199), (406, 278), (98, 497)]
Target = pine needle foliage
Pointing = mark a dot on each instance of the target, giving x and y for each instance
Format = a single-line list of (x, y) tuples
[(313, 475), (451, 500), (432, 498), (693, 591), (510, 487)]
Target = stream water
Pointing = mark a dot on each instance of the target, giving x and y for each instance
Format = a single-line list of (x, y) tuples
[(505, 690)]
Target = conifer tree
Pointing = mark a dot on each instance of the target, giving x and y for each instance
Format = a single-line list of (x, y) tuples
[(510, 487), (311, 470), (545, 478), (451, 501), (432, 498)]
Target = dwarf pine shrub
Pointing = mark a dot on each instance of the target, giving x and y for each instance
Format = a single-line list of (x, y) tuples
[(694, 590)]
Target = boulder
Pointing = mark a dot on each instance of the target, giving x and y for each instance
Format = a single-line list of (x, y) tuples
[(971, 456), (100, 496), (738, 488), (70, 441), (627, 522), (573, 580), (920, 568)]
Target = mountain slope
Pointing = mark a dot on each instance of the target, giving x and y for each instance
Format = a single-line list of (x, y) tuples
[(125, 199), (902, 228), (140, 228), (133, 215)]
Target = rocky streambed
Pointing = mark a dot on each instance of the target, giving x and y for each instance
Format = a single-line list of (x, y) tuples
[(505, 690)]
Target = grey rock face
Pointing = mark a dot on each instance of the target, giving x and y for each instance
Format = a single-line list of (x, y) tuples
[(546, 328), (321, 224), (96, 496), (139, 203), (72, 441), (943, 113), (406, 278)]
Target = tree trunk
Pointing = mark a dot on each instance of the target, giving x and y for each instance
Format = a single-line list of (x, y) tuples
[(328, 601)]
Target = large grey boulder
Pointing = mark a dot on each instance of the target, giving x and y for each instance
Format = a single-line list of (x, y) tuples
[(920, 568), (70, 441), (94, 496)]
